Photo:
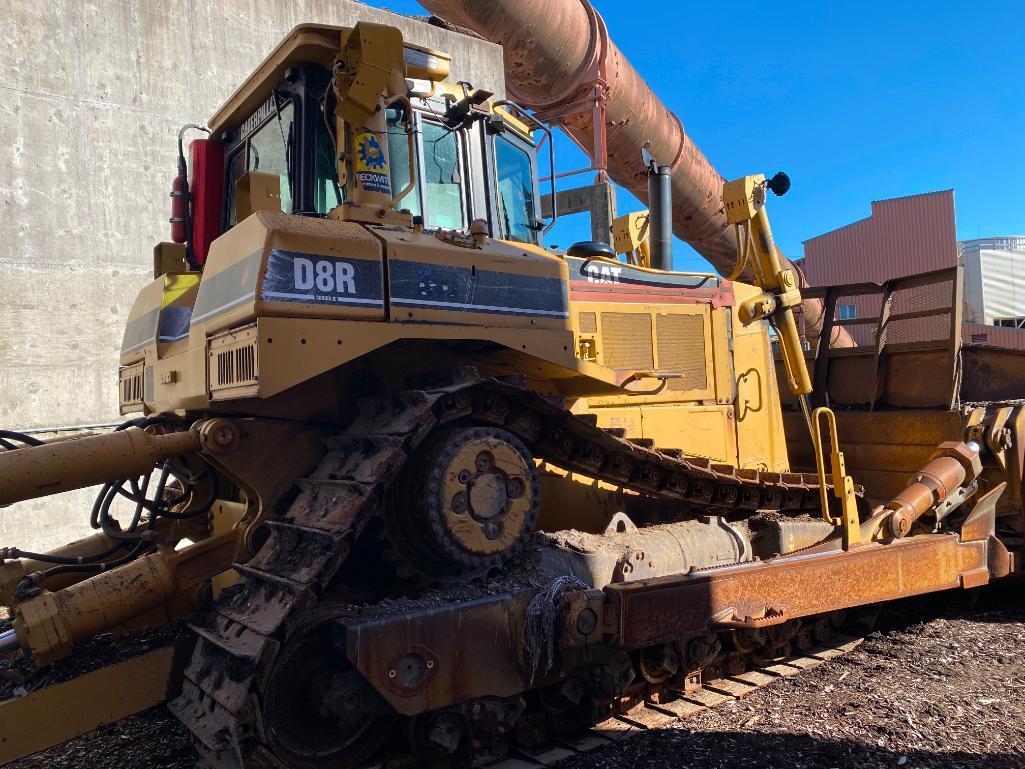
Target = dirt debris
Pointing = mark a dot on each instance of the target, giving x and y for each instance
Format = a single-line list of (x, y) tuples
[(152, 739), (939, 684)]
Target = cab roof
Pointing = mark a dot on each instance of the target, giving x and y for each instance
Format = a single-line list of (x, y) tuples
[(305, 43), (313, 43)]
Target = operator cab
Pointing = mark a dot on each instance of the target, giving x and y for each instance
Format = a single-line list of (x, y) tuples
[(281, 122)]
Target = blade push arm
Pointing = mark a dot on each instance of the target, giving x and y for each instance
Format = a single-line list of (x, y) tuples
[(744, 201)]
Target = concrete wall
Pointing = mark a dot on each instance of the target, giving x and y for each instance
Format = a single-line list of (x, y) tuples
[(93, 97)]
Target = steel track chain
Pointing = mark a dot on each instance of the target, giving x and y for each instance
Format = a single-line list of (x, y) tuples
[(239, 639)]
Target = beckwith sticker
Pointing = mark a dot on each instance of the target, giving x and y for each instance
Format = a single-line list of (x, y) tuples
[(372, 164)]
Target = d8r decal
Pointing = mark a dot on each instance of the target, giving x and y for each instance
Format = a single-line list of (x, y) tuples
[(312, 278)]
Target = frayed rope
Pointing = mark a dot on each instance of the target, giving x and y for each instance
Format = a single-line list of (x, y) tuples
[(539, 627)]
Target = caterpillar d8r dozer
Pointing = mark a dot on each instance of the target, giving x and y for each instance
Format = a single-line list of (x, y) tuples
[(422, 489)]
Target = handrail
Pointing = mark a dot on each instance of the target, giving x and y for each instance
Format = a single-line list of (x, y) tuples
[(843, 484)]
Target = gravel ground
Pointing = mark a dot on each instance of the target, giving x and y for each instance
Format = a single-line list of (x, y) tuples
[(940, 683)]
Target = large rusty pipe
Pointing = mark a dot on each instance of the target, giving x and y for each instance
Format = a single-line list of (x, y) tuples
[(553, 49), (37, 471)]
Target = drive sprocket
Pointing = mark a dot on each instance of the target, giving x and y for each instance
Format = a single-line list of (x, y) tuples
[(476, 496)]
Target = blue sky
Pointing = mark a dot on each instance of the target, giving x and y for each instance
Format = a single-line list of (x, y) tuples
[(855, 101)]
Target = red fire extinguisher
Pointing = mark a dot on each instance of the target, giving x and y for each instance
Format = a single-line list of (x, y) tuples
[(181, 224), (179, 197)]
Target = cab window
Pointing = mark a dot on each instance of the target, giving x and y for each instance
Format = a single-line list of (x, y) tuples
[(266, 150), (443, 181), (439, 191), (516, 207), (327, 193), (236, 168)]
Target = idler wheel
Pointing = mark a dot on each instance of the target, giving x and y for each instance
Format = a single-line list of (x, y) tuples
[(318, 710), (478, 492)]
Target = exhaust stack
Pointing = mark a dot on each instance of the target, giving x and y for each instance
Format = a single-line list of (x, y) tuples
[(660, 207)]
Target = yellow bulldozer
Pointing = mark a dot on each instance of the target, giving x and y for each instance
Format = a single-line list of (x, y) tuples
[(423, 490)]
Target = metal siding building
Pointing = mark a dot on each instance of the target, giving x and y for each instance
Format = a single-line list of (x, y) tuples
[(902, 236), (994, 279)]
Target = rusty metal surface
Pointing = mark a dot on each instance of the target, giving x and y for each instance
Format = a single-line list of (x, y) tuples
[(672, 607), (883, 448), (992, 374), (643, 706), (952, 465), (909, 343), (556, 53), (474, 649)]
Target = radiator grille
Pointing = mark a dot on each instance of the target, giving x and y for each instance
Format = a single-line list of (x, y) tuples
[(131, 387), (588, 322), (626, 340), (681, 348), (234, 364)]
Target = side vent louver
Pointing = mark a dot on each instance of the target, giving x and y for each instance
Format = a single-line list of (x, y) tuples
[(233, 364), (130, 387), (627, 338)]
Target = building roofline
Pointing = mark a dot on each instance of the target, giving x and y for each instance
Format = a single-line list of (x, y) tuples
[(992, 243), (915, 195), (872, 205), (838, 229)]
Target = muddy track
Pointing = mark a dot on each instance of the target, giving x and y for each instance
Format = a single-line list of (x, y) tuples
[(240, 640)]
